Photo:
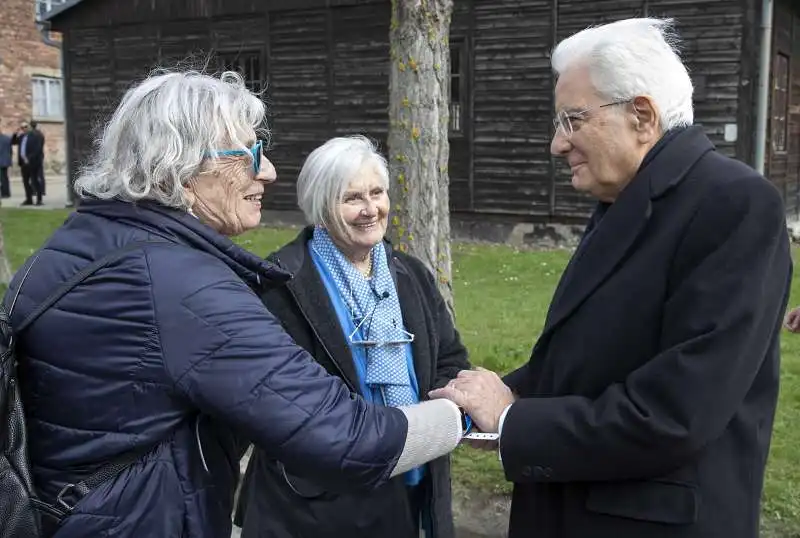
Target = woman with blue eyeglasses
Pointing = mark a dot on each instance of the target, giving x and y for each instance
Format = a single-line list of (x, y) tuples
[(374, 317), (155, 364)]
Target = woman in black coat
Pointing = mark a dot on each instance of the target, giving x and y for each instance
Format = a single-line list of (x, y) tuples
[(374, 317)]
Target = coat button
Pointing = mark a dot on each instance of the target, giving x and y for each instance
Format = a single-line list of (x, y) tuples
[(526, 471)]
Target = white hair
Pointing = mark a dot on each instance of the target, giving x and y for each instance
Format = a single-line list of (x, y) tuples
[(633, 57), (327, 172), (162, 132)]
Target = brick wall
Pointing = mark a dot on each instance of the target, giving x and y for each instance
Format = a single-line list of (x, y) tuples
[(23, 55)]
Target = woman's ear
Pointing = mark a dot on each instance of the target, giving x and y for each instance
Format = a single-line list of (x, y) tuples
[(189, 193)]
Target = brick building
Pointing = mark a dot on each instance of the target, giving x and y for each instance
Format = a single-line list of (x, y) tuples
[(31, 78)]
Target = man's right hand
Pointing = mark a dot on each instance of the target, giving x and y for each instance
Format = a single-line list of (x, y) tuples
[(481, 393)]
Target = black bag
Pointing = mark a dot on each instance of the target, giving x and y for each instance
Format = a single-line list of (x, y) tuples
[(22, 513)]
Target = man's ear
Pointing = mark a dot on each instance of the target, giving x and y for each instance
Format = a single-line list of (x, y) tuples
[(647, 119)]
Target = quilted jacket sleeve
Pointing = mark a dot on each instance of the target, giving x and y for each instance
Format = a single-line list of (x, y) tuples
[(230, 357)]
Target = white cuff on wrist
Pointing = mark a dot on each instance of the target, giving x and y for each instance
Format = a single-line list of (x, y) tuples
[(500, 430)]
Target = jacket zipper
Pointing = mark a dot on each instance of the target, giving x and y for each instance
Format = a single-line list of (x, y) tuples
[(342, 375)]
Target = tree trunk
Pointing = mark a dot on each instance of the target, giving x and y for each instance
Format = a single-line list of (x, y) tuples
[(419, 116), (5, 267)]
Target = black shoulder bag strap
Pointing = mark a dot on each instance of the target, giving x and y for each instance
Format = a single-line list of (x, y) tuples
[(62, 508)]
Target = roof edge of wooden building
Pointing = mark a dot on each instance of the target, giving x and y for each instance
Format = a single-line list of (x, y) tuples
[(57, 12)]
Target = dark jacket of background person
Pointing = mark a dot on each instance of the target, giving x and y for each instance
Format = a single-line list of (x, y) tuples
[(170, 348), (279, 504), (649, 398), (5, 151), (34, 147)]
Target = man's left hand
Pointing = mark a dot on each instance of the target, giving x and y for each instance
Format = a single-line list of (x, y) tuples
[(792, 321), (481, 393)]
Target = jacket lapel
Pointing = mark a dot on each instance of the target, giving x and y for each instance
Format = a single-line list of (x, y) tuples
[(603, 251), (625, 220), (410, 301), (312, 298)]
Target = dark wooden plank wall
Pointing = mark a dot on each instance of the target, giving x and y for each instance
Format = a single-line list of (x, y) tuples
[(298, 92), (359, 73), (327, 70), (93, 13), (327, 74), (711, 33), (512, 104), (135, 50), (91, 89), (513, 171)]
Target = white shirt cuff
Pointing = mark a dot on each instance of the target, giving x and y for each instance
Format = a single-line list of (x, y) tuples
[(500, 429), (503, 419)]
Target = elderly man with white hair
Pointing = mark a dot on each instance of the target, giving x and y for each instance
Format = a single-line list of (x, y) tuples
[(647, 405)]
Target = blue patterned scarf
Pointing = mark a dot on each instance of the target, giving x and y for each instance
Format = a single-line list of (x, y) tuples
[(376, 298)]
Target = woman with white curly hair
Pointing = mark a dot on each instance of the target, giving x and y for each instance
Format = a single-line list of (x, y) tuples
[(144, 383)]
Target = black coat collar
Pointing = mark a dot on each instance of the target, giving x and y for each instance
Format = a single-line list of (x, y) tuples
[(308, 291), (663, 169)]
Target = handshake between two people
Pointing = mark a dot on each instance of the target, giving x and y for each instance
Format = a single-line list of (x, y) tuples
[(482, 395)]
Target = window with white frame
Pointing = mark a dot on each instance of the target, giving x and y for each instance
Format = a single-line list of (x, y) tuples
[(780, 101), (43, 6), (47, 98), (458, 66)]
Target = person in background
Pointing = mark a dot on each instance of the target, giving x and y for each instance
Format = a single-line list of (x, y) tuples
[(40, 133), (6, 160), (647, 405), (165, 363), (373, 316), (30, 156)]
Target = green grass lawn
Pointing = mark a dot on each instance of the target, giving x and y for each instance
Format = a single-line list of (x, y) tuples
[(501, 298)]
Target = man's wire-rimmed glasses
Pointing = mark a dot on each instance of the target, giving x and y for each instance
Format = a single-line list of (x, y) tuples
[(563, 120)]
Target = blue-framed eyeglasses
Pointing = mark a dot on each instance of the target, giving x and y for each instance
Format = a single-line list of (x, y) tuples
[(256, 152), (406, 338)]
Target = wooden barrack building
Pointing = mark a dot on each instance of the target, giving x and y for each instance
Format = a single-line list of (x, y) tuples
[(323, 65)]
